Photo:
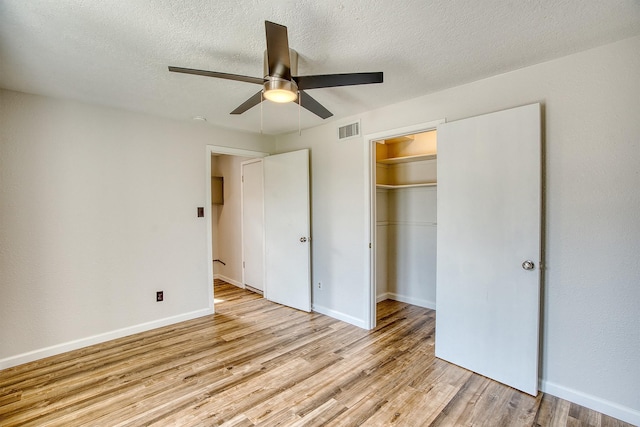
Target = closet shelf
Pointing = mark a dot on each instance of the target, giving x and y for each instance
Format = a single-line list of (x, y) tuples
[(393, 187), (395, 160)]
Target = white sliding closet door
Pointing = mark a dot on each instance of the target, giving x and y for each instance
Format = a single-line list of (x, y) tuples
[(489, 225)]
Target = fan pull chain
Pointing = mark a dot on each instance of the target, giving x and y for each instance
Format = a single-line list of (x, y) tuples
[(261, 101), (299, 108)]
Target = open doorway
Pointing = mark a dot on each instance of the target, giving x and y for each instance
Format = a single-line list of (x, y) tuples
[(286, 226), (403, 190), (224, 225), (228, 219)]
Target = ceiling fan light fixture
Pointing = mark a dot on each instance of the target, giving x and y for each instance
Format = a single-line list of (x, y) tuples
[(280, 90)]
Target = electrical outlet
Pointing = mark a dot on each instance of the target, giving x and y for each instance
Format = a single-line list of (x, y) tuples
[(159, 296), (319, 285)]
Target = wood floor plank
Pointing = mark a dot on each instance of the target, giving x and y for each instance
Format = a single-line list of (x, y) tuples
[(460, 406), (361, 411), (259, 363), (322, 415), (307, 396)]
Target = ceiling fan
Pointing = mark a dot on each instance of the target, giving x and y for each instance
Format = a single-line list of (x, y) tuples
[(280, 83)]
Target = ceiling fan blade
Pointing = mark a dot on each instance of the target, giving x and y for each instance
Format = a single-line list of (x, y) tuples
[(278, 50), (227, 76), (334, 80), (249, 103), (306, 101)]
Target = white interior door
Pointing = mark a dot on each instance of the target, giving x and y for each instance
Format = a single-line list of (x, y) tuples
[(252, 224), (489, 222), (287, 229)]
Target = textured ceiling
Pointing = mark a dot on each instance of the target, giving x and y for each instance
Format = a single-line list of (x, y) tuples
[(116, 52)]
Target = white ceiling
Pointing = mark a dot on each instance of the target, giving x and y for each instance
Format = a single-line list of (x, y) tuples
[(116, 52)]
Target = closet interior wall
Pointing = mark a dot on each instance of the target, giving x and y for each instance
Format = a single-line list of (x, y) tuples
[(406, 222)]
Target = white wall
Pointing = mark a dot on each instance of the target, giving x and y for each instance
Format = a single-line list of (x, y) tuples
[(98, 212), (411, 238), (228, 232), (337, 229), (591, 333)]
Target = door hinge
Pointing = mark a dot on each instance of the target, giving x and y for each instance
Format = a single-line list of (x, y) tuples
[(242, 264), (370, 246)]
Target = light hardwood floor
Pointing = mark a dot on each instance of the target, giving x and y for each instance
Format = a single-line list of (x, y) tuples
[(258, 363)]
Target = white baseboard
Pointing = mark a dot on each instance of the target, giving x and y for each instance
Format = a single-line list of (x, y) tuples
[(383, 296), (97, 339), (612, 409), (340, 316), (228, 280), (409, 300)]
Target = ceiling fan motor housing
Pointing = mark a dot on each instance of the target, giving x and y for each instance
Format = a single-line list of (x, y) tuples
[(276, 88), (293, 61)]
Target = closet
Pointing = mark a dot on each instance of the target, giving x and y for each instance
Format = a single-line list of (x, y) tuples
[(406, 221)]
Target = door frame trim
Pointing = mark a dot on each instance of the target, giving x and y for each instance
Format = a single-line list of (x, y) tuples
[(369, 286), (209, 151)]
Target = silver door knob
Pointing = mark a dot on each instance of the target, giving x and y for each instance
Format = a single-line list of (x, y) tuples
[(528, 265), (303, 239)]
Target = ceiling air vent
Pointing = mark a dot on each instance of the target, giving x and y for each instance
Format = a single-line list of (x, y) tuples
[(349, 131)]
